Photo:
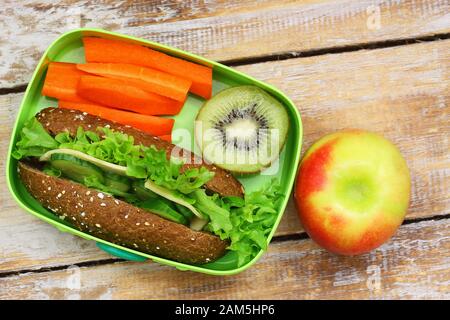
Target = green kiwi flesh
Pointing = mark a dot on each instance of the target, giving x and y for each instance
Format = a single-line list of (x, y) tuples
[(242, 129)]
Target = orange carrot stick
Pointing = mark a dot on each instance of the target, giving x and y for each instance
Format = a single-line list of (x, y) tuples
[(147, 79), (116, 51), (153, 125), (61, 81), (121, 94)]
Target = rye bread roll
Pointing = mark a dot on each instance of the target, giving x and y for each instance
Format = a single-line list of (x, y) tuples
[(119, 222), (59, 120)]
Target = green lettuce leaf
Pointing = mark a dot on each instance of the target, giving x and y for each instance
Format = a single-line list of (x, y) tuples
[(34, 141), (115, 147), (219, 216), (142, 162), (253, 221), (51, 171), (94, 182), (246, 222)]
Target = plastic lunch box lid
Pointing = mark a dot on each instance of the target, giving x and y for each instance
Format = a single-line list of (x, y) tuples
[(223, 266)]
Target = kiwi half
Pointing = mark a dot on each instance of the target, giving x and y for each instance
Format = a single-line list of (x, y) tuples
[(241, 129)]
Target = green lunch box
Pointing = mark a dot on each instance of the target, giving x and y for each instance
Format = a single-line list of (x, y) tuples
[(69, 48)]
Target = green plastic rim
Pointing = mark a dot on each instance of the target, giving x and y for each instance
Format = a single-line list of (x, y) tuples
[(121, 253), (66, 48)]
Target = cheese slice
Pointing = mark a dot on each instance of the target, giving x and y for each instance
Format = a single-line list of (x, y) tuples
[(104, 165), (197, 223)]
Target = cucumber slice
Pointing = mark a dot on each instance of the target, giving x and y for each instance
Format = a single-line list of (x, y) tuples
[(184, 211), (163, 209), (116, 182), (197, 222), (104, 165), (74, 168), (169, 195), (141, 191)]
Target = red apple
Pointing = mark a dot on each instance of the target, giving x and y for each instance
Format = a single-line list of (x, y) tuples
[(352, 191)]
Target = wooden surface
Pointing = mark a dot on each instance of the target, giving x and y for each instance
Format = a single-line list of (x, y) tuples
[(410, 266), (341, 68), (220, 30)]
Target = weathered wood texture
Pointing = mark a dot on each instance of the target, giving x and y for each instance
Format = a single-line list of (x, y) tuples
[(221, 30), (26, 242), (415, 264), (400, 92)]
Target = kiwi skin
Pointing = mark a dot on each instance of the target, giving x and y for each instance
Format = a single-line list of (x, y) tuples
[(237, 172)]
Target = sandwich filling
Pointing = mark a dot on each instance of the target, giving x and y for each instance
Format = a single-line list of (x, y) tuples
[(111, 162)]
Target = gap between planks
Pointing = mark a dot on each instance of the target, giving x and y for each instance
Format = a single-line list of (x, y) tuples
[(301, 54), (413, 265), (303, 236), (414, 70), (336, 50), (218, 29)]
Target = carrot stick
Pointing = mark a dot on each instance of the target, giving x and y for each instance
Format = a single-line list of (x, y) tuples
[(121, 94), (167, 137), (61, 81), (147, 79), (116, 51), (150, 124)]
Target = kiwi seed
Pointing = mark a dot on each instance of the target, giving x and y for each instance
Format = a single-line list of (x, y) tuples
[(242, 129)]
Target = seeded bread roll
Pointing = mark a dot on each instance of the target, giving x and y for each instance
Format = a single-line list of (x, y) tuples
[(60, 120), (117, 221)]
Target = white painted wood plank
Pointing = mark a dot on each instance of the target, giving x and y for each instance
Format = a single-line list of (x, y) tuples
[(401, 92), (220, 30), (414, 265)]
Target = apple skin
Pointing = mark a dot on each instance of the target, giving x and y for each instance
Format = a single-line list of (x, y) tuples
[(352, 191)]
